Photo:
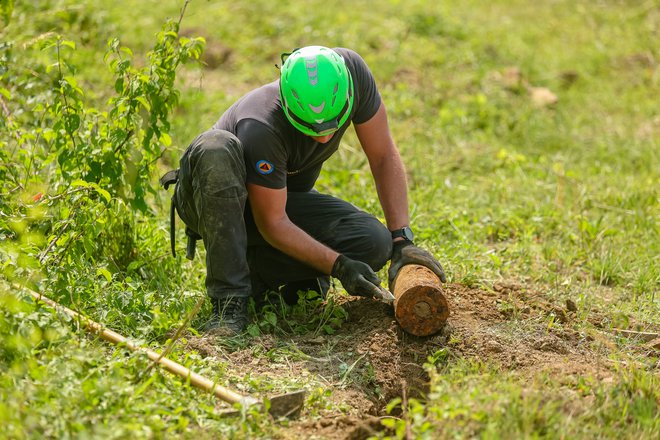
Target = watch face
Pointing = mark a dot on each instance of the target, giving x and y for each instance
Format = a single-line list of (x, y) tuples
[(408, 233)]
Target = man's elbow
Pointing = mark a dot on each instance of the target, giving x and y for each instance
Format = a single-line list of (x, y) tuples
[(270, 229)]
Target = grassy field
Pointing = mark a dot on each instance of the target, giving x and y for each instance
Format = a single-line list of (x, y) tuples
[(530, 135)]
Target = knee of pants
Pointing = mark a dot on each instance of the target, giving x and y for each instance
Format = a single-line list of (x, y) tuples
[(217, 139), (217, 166), (376, 249), (216, 144)]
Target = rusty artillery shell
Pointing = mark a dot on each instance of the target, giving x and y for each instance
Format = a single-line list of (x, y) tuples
[(419, 306)]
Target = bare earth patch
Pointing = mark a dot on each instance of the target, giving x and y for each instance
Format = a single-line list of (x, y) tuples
[(370, 360)]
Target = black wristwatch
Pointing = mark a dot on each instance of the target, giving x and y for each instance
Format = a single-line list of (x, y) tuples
[(404, 232)]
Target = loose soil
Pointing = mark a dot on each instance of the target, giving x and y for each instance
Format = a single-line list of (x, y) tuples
[(371, 360)]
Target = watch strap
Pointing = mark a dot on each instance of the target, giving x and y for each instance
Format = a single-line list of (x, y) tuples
[(405, 233)]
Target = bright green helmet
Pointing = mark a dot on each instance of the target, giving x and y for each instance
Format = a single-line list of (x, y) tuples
[(316, 90)]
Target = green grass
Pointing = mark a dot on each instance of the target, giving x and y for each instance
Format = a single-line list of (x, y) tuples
[(472, 399), (562, 198)]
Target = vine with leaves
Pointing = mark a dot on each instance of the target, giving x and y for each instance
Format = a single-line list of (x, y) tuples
[(74, 176)]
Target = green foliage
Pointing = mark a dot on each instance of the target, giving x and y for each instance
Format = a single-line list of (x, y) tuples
[(74, 173), (310, 315), (113, 148), (561, 196)]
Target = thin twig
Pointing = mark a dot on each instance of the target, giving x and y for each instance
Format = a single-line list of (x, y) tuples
[(30, 164), (176, 336), (66, 102), (13, 190), (162, 151), (350, 370), (404, 408), (632, 334), (77, 237), (67, 193), (128, 136), (4, 107), (613, 209), (42, 258), (183, 12)]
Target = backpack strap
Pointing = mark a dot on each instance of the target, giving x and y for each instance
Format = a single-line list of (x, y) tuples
[(169, 178), (192, 243), (172, 224)]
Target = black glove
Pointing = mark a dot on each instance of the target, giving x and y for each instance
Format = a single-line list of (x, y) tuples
[(356, 277), (405, 252)]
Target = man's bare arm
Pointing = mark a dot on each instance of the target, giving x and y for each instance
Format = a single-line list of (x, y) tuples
[(386, 167), (269, 211)]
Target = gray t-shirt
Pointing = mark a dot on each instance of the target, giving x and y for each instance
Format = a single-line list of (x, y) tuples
[(276, 154)]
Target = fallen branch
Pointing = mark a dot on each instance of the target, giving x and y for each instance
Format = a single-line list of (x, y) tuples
[(631, 334), (284, 405)]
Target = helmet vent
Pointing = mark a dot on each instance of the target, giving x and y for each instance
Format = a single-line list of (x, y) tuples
[(312, 70), (317, 108)]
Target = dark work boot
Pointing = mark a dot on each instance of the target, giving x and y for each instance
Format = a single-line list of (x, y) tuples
[(230, 316), (289, 291)]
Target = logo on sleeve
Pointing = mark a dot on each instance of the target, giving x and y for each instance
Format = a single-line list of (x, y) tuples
[(265, 167)]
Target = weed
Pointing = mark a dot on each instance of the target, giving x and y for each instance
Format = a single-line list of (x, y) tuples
[(310, 315)]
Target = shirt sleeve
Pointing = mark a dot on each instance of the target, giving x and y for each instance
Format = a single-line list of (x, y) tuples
[(264, 153), (367, 97)]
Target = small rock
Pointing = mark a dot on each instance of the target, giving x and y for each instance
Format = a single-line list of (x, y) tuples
[(571, 306), (493, 347), (317, 340), (550, 345), (542, 97)]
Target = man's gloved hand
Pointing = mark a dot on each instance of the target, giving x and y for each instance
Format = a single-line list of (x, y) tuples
[(356, 277), (405, 252)]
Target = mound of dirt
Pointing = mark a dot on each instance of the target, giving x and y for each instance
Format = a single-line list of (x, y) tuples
[(371, 360)]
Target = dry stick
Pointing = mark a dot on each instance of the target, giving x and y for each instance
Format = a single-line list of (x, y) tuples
[(183, 325), (171, 366), (183, 11), (645, 336), (404, 407), (42, 258)]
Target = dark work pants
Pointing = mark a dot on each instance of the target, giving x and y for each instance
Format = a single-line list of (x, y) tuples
[(211, 199)]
